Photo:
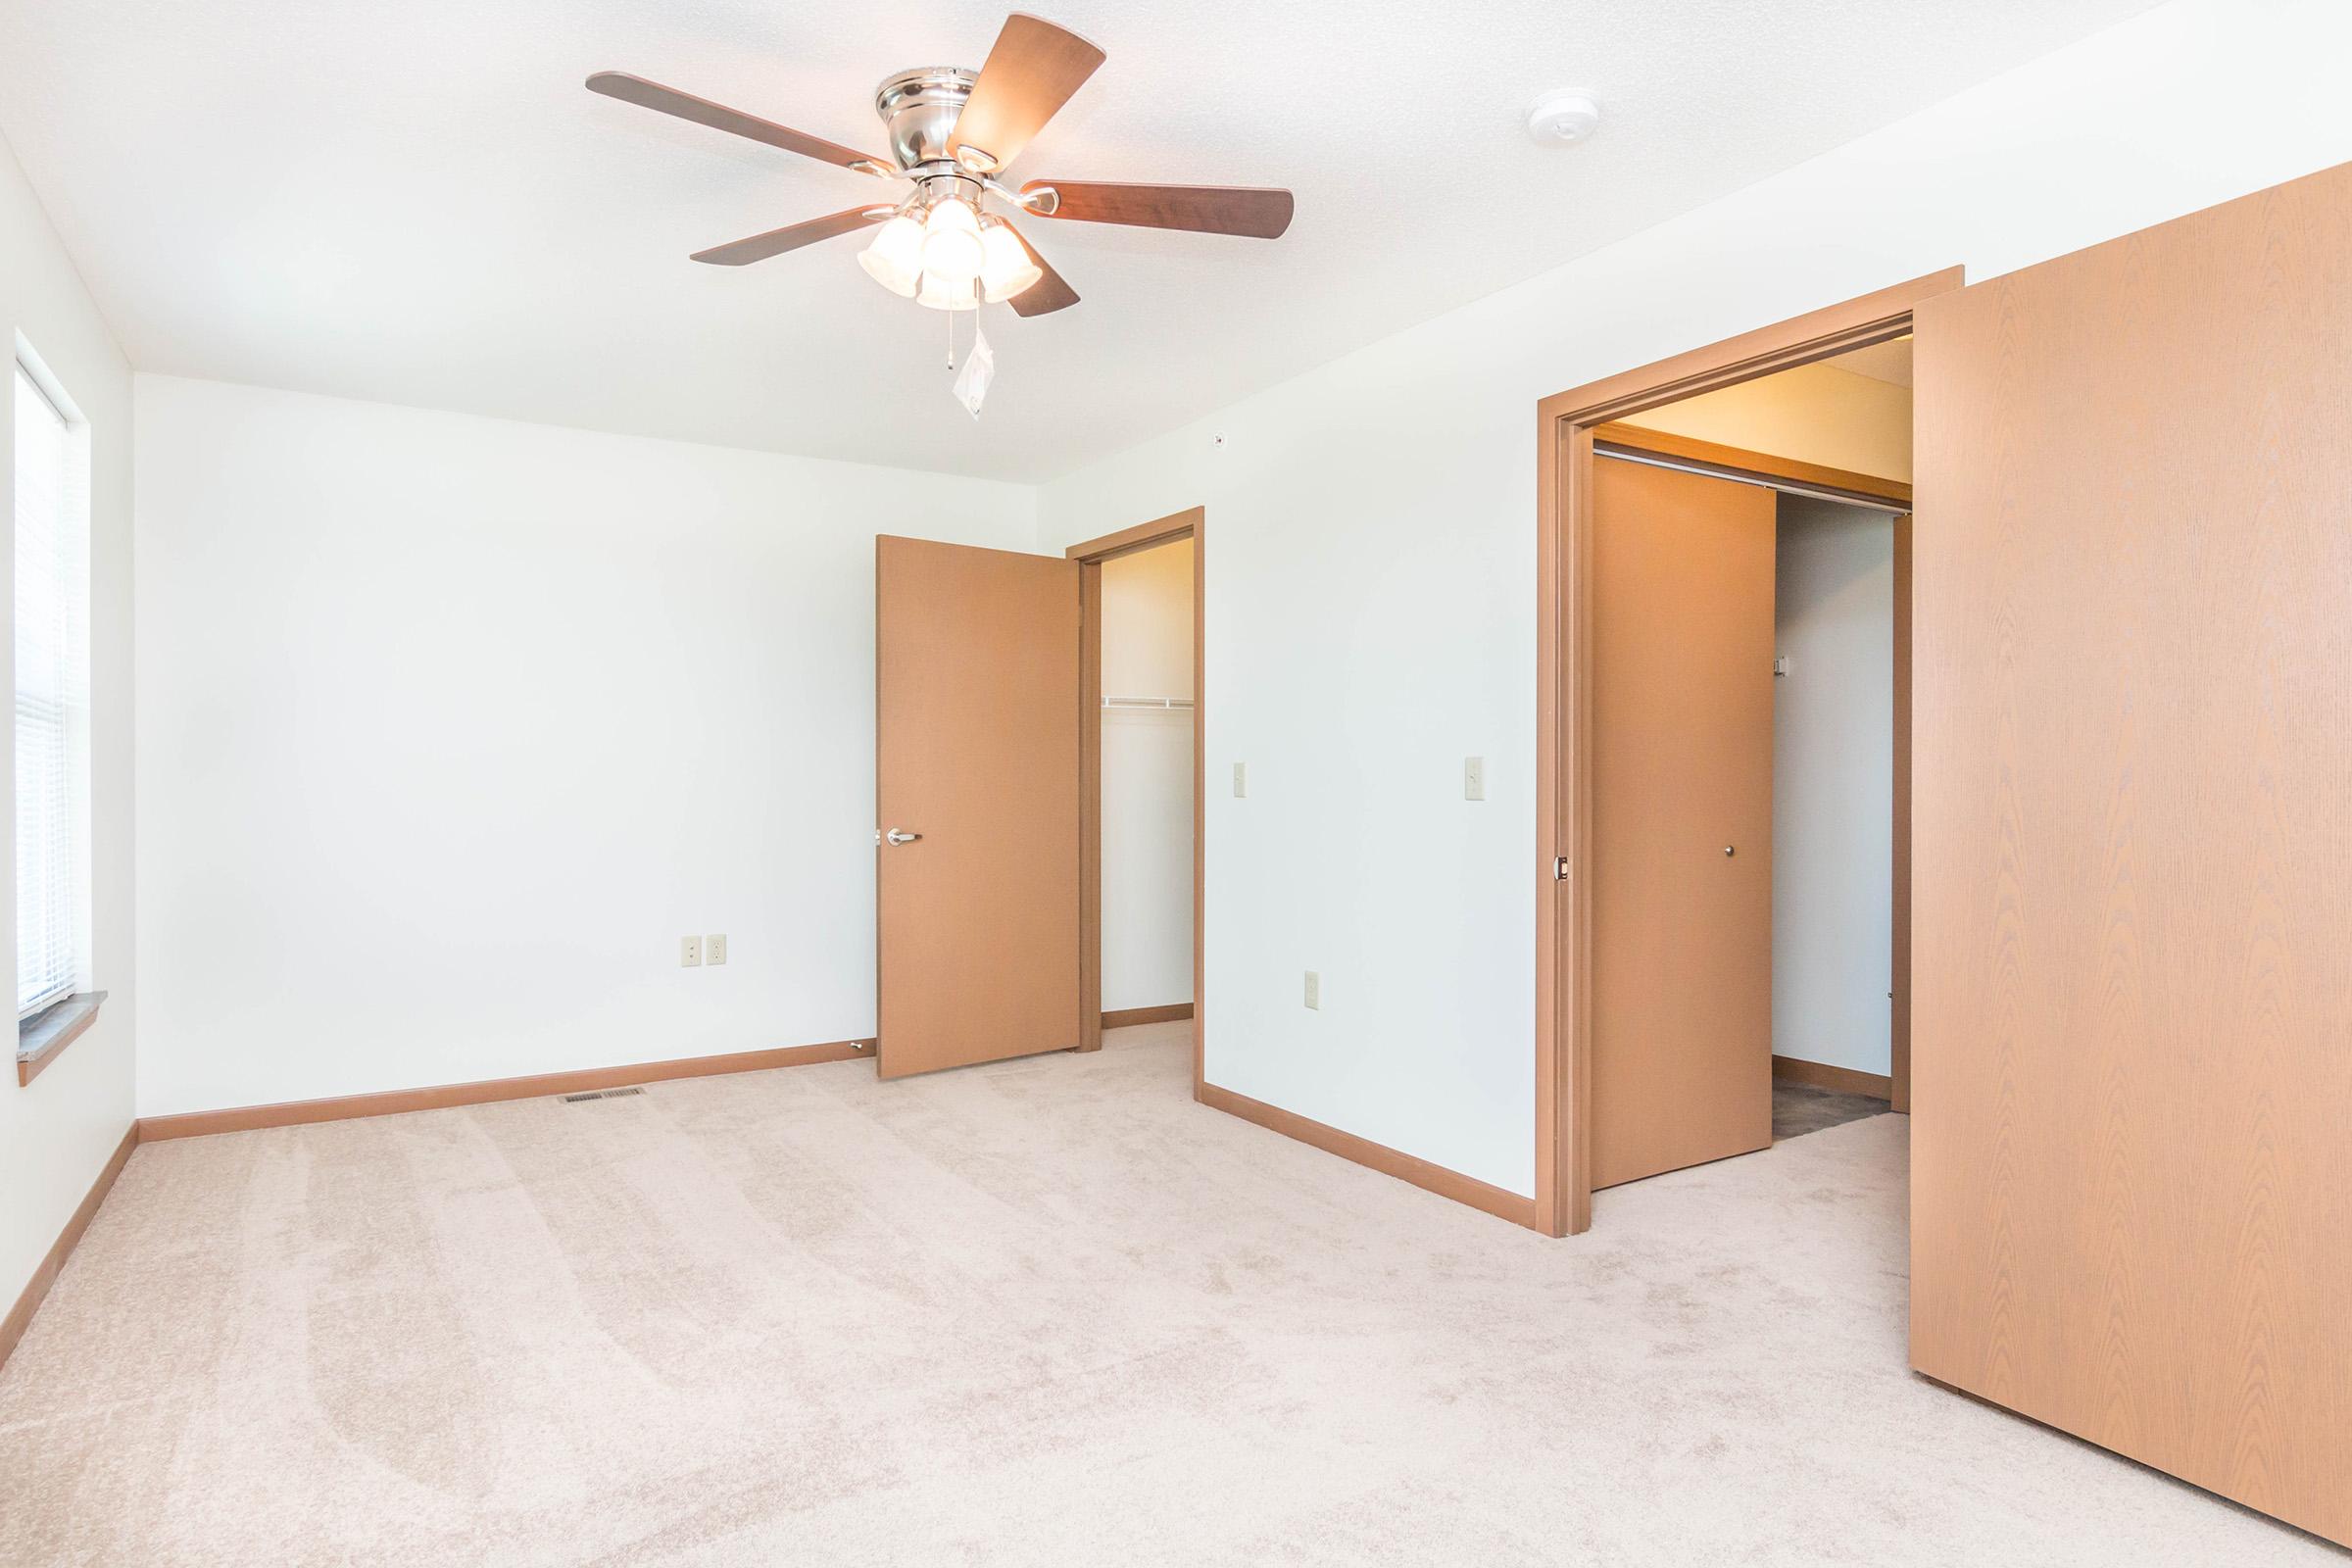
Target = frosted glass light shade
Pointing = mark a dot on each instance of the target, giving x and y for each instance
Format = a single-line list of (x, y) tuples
[(895, 260), (947, 294), (1006, 268), (952, 241)]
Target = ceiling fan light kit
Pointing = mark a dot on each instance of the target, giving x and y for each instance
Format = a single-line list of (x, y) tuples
[(952, 132)]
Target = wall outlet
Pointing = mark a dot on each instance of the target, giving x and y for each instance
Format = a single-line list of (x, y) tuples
[(1240, 780), (1315, 990), (1474, 778), (690, 952), (715, 947)]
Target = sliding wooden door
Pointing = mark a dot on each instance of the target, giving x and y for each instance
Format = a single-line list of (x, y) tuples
[(977, 775), (2131, 941), (1682, 819)]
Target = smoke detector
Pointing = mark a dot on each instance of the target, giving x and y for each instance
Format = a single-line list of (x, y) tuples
[(1559, 118)]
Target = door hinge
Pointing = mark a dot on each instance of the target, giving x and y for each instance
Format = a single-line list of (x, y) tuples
[(1559, 870)]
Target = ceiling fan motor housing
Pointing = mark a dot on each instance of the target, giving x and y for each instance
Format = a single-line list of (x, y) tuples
[(920, 108)]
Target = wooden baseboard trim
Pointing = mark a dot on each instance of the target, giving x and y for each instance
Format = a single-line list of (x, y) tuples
[(1845, 1080), (1128, 1018), (1379, 1156), (301, 1112), (36, 1290)]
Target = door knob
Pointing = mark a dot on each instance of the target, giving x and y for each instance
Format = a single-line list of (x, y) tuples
[(1726, 848), (894, 836)]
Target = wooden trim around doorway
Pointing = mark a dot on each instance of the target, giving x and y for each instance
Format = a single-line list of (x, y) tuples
[(1191, 523), (1566, 424)]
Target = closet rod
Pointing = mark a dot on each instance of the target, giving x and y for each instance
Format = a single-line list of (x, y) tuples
[(1603, 449)]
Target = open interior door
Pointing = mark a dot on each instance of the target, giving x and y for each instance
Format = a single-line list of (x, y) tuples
[(2132, 848), (977, 795), (1682, 819)]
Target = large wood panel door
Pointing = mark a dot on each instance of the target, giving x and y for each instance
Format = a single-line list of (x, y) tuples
[(2131, 939), (1682, 819), (977, 773)]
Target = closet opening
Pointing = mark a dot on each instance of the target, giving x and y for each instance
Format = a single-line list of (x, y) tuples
[(1723, 934), (1140, 740), (1743, 690)]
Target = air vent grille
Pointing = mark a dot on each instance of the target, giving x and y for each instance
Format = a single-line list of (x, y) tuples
[(602, 1094)]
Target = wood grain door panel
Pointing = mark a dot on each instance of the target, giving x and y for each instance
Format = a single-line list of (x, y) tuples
[(2132, 940), (977, 748), (1682, 722)]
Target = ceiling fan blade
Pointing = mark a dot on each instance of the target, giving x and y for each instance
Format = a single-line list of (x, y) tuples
[(1257, 213), (1048, 293), (1029, 75), (718, 117), (777, 241)]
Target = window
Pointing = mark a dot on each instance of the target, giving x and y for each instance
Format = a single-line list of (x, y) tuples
[(52, 664)]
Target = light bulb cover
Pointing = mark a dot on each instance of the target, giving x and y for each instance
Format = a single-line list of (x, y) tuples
[(946, 293), (952, 241), (1006, 268), (952, 213), (895, 258)]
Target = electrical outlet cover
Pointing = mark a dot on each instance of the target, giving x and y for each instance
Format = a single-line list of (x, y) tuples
[(690, 953), (715, 947)]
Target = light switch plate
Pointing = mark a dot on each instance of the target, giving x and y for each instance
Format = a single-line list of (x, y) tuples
[(1474, 778), (1315, 990), (690, 953), (1240, 780), (715, 947)]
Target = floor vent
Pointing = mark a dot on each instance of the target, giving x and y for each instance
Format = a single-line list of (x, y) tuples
[(602, 1094)]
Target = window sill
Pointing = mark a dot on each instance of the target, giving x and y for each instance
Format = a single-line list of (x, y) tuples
[(42, 1038)]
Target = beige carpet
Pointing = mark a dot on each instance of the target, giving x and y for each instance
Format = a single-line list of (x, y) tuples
[(1043, 1313)]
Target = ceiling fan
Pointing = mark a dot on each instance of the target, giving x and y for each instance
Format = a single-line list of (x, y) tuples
[(952, 134)]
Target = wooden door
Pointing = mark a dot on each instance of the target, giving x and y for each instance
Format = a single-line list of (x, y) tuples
[(2132, 798), (976, 728), (1681, 772)]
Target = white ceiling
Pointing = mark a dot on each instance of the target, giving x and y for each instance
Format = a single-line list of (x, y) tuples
[(417, 201)]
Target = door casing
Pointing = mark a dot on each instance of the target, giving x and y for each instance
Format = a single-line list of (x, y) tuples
[(1565, 427)]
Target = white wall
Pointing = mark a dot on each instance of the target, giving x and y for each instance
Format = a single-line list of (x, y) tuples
[(1148, 780), (57, 1132), (452, 727), (1833, 785), (1370, 546)]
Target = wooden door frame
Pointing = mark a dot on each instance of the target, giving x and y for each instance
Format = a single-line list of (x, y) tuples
[(1189, 523), (1565, 427)]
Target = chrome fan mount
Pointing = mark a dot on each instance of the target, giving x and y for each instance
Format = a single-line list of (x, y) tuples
[(953, 132)]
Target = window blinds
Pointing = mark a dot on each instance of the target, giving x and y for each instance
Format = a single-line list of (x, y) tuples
[(52, 560)]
